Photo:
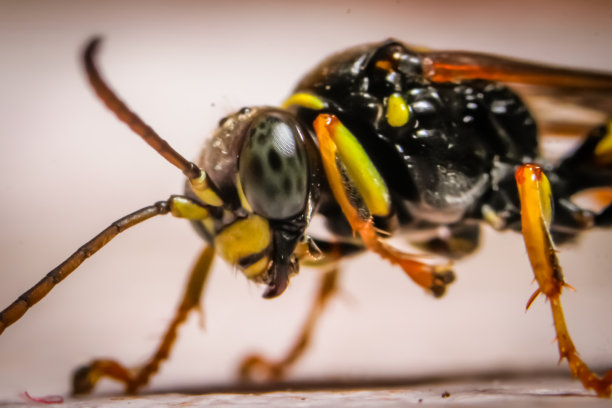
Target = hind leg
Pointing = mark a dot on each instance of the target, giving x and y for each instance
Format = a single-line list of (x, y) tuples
[(536, 213)]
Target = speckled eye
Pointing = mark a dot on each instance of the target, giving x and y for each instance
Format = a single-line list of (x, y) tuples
[(273, 168)]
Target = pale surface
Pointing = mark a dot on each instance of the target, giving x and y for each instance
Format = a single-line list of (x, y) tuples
[(68, 168), (544, 391)]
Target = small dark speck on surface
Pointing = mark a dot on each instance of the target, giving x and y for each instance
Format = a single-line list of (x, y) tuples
[(445, 394)]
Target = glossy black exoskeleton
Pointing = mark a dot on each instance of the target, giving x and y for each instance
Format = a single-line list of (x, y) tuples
[(452, 164)]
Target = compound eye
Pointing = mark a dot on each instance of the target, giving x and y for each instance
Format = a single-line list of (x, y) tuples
[(273, 168)]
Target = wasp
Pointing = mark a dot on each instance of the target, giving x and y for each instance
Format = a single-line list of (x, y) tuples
[(378, 140)]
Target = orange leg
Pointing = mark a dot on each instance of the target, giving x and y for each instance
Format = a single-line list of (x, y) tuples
[(433, 278), (536, 204), (256, 366), (86, 377)]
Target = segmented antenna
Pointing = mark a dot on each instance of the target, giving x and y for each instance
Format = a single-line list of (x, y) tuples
[(138, 126)]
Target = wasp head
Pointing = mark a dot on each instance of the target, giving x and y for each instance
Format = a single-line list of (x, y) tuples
[(263, 164)]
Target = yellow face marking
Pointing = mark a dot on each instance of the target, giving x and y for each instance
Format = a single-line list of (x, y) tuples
[(242, 238), (305, 100), (360, 169), (259, 267), (200, 187), (603, 150), (397, 110)]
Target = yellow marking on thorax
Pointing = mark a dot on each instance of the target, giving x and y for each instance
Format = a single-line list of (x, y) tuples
[(244, 237), (397, 110), (304, 100)]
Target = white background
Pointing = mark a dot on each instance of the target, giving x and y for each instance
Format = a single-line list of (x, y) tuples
[(68, 168)]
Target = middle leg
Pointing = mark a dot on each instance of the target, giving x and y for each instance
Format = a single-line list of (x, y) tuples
[(256, 366), (316, 253)]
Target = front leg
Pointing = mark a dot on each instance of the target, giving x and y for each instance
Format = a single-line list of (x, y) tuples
[(338, 146), (86, 377)]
